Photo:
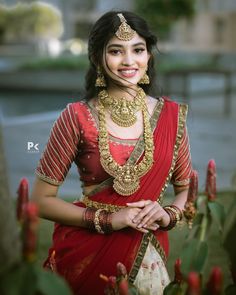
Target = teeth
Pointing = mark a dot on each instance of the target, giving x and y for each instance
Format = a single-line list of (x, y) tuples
[(128, 71)]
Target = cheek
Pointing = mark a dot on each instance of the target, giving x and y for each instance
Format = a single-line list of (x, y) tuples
[(143, 61), (112, 62)]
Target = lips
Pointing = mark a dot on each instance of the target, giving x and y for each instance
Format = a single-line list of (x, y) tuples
[(128, 73)]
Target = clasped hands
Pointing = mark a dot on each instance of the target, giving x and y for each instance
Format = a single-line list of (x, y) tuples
[(143, 216)]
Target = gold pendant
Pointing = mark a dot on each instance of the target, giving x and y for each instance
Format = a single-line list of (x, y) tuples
[(127, 182), (123, 116)]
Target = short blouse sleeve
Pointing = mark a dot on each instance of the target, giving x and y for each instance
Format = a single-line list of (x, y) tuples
[(183, 165), (61, 148)]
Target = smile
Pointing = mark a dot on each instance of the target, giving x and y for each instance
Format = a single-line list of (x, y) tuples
[(128, 73)]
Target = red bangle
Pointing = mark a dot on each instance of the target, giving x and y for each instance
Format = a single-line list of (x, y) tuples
[(173, 220), (88, 217)]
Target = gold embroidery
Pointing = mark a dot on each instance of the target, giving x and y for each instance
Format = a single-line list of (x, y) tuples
[(48, 179), (149, 237), (97, 205)]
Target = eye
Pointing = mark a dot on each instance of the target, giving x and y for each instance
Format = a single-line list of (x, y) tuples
[(115, 51), (139, 50)]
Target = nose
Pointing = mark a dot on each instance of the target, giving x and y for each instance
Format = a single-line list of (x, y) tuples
[(127, 59)]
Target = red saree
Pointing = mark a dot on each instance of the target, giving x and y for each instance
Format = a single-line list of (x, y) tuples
[(80, 255)]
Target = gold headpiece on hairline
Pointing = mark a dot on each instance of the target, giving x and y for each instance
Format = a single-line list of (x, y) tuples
[(124, 32)]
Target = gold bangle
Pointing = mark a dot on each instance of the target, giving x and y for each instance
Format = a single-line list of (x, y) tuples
[(177, 213), (97, 222)]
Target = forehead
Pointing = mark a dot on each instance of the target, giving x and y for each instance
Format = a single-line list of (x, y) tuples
[(136, 39)]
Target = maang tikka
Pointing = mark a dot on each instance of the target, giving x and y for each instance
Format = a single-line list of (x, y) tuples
[(124, 32)]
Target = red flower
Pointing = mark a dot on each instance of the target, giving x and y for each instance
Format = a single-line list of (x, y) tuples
[(23, 198), (123, 287), (211, 181), (178, 275), (30, 226), (215, 282), (194, 285), (193, 187), (121, 269)]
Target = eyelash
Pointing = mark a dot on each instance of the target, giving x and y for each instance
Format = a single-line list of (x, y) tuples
[(116, 51)]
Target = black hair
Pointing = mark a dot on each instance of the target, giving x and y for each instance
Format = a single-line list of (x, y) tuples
[(102, 31)]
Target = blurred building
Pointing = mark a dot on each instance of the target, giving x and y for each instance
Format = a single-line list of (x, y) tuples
[(78, 15), (212, 29)]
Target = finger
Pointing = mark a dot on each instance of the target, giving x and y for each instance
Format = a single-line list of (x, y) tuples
[(152, 216), (143, 230), (139, 204), (145, 211), (153, 226)]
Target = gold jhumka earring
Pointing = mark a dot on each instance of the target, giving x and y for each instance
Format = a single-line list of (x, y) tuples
[(145, 79), (124, 32), (100, 81)]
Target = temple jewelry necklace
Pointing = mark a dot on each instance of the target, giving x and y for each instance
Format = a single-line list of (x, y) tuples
[(126, 177), (123, 112)]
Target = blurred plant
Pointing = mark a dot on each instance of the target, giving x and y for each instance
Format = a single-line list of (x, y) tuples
[(27, 278), (161, 14), (28, 22), (188, 274), (119, 285), (22, 200)]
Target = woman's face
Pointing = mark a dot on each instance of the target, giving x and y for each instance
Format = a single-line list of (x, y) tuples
[(126, 61)]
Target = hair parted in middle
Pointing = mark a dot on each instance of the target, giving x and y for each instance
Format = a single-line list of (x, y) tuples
[(102, 31)]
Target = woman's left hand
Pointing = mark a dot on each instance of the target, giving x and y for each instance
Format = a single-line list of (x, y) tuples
[(151, 213)]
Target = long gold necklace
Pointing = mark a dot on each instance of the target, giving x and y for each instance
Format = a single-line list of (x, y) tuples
[(123, 112), (126, 177)]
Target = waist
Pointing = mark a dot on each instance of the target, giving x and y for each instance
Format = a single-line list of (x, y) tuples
[(98, 205)]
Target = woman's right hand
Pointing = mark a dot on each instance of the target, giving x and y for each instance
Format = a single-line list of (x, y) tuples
[(124, 218)]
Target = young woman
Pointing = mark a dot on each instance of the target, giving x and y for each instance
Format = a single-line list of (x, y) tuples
[(128, 146)]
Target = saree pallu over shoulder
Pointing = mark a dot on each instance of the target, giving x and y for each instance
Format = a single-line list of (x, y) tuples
[(81, 256), (168, 124)]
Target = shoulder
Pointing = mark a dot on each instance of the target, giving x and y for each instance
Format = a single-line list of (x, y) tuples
[(172, 104)]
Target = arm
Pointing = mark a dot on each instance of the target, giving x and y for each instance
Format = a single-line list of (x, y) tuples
[(53, 167), (53, 208)]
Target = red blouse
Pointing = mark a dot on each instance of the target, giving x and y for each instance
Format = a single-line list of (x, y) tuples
[(74, 138)]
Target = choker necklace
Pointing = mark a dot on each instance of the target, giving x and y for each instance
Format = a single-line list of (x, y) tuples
[(126, 177), (123, 111)]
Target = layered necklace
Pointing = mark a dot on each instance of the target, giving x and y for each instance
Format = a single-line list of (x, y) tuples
[(126, 177), (123, 111)]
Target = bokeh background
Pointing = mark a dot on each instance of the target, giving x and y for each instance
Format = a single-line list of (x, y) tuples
[(43, 61)]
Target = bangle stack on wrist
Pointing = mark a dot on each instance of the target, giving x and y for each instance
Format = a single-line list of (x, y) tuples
[(175, 215), (98, 220)]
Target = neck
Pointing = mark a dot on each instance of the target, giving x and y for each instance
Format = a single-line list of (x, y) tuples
[(119, 92)]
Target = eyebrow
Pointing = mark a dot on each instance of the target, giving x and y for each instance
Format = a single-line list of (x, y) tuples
[(120, 46)]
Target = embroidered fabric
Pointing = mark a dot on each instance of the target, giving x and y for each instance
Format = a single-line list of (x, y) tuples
[(73, 138), (152, 276)]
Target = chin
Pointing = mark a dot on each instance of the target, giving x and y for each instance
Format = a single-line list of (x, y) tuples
[(130, 82)]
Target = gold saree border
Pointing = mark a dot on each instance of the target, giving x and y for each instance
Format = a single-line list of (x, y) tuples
[(138, 149), (147, 238), (182, 114), (98, 205)]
